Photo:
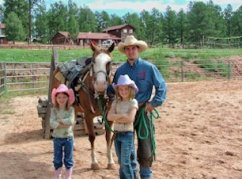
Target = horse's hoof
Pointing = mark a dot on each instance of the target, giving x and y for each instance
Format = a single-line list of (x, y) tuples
[(111, 166), (95, 166)]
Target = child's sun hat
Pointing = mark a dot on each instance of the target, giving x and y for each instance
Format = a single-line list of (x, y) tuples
[(62, 88), (124, 80)]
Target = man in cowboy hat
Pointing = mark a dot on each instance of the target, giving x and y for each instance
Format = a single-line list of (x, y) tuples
[(146, 76)]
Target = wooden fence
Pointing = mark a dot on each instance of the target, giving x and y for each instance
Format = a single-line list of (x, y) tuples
[(2, 78), (23, 76)]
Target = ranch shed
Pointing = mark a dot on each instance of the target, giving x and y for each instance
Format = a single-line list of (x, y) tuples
[(63, 38), (120, 31)]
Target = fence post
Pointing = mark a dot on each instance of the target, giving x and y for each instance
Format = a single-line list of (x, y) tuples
[(54, 61), (5, 77), (229, 70), (32, 73), (182, 71)]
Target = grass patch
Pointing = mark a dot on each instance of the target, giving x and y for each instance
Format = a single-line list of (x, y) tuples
[(218, 67), (160, 56), (157, 57), (44, 55)]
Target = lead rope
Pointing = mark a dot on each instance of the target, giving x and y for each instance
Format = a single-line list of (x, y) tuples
[(141, 125), (104, 116)]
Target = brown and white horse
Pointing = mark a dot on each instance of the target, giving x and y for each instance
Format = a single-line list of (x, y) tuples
[(92, 95)]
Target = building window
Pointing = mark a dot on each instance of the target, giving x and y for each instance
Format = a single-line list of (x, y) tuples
[(130, 31), (124, 30)]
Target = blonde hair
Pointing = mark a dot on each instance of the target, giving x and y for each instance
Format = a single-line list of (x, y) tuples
[(67, 107), (131, 93)]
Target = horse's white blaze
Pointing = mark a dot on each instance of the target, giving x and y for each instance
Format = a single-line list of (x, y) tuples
[(99, 68)]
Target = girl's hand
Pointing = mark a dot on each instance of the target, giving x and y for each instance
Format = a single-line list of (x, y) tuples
[(62, 125)]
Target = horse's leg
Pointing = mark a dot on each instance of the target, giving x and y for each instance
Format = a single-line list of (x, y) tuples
[(109, 148), (91, 135)]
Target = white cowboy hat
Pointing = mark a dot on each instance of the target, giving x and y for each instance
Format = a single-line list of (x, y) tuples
[(124, 80), (131, 40)]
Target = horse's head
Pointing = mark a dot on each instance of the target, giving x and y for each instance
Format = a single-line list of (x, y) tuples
[(101, 67)]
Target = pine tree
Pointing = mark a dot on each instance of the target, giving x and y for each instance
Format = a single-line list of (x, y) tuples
[(14, 27)]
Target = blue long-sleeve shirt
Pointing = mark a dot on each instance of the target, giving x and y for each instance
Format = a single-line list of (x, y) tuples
[(146, 76)]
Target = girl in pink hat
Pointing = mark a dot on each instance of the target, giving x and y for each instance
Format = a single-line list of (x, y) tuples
[(62, 119), (122, 112)]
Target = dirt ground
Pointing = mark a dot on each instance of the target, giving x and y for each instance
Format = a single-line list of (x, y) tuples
[(199, 136)]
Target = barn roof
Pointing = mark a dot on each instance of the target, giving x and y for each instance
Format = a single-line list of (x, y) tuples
[(95, 35), (66, 34), (117, 27)]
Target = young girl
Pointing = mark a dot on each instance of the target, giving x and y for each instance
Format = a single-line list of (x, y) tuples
[(122, 112), (62, 119)]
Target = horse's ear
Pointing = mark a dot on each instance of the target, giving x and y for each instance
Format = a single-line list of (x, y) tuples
[(93, 45), (110, 49)]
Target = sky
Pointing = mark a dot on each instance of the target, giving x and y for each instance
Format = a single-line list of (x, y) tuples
[(121, 7)]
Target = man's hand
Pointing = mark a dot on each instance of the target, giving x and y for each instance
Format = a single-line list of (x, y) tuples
[(149, 107)]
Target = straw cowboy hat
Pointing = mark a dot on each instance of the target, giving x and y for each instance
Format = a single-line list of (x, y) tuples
[(125, 80), (63, 89), (131, 40)]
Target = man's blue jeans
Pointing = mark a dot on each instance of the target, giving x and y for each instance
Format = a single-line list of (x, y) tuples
[(144, 151), (63, 145), (124, 146)]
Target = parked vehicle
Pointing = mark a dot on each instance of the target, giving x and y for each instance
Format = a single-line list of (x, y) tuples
[(107, 43)]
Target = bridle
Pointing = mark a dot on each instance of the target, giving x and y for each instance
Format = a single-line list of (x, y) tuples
[(92, 93)]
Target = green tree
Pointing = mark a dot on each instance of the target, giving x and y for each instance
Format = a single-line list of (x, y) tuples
[(151, 24), (14, 27), (73, 27), (199, 22), (215, 16), (1, 13), (169, 27), (134, 20), (228, 13), (41, 24), (236, 22), (20, 8), (115, 20), (32, 4), (155, 28), (57, 15), (181, 26), (103, 20), (87, 20)]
